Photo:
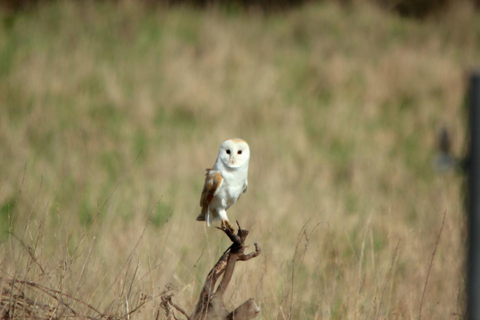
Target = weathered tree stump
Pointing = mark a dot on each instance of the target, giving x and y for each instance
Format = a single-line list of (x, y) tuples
[(210, 304)]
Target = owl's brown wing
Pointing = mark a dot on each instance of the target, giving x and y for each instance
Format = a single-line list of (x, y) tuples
[(213, 182)]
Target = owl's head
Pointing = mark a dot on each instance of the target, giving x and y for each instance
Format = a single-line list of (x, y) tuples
[(234, 153)]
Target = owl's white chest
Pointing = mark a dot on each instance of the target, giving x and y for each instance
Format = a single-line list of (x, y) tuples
[(234, 182)]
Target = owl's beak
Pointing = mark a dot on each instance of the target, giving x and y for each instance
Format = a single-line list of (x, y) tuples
[(232, 161)]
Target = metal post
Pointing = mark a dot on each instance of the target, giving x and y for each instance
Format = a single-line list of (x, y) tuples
[(473, 200)]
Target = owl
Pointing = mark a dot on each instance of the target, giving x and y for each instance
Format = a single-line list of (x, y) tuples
[(225, 182)]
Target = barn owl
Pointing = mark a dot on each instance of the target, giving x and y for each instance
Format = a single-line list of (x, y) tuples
[(225, 182)]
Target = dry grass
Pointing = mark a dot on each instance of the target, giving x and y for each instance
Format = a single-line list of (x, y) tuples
[(340, 107)]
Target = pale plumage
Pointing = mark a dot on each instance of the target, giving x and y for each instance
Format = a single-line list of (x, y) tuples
[(225, 182)]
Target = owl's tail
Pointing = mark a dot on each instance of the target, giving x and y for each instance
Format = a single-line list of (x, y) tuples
[(201, 217), (205, 216)]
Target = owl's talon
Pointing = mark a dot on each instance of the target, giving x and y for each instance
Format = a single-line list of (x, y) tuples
[(228, 226)]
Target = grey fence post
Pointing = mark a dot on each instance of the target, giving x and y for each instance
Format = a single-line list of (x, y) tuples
[(473, 201)]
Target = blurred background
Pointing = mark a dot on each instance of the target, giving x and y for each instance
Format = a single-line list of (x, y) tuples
[(111, 110)]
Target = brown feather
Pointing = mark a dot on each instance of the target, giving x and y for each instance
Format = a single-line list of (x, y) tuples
[(213, 181)]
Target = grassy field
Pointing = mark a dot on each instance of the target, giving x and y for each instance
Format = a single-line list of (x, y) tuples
[(109, 114)]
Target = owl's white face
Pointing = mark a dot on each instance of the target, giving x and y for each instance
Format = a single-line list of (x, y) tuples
[(234, 153)]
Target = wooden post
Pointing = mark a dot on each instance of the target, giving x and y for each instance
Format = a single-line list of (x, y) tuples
[(210, 304), (473, 201)]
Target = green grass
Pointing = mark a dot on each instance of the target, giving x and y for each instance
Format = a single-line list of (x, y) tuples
[(340, 106)]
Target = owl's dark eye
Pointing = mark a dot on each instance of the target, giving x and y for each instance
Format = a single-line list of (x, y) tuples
[(239, 152), (228, 151)]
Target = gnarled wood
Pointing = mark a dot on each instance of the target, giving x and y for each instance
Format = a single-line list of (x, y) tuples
[(210, 304)]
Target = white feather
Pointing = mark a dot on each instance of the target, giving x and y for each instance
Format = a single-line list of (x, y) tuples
[(232, 162), (208, 218)]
